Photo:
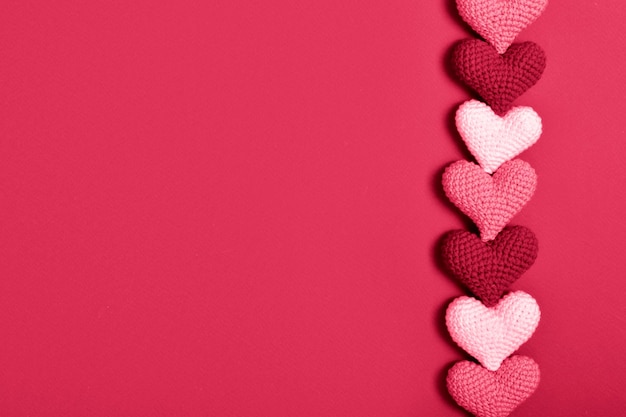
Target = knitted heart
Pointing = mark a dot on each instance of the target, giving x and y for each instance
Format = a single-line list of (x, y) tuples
[(499, 79), (499, 22), (486, 393), (491, 334), (490, 201), (489, 268), (492, 139)]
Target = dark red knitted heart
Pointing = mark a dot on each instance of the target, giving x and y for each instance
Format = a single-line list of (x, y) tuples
[(489, 268), (498, 79)]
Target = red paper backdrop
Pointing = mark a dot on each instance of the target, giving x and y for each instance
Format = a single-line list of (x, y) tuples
[(230, 208)]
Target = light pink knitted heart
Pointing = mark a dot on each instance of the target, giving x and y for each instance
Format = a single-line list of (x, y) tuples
[(500, 21), (491, 334), (492, 139), (486, 393), (490, 201)]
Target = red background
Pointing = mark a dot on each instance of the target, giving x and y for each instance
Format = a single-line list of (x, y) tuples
[(230, 208)]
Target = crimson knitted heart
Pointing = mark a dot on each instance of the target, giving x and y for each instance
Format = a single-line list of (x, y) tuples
[(487, 393), (490, 201), (499, 79), (489, 268)]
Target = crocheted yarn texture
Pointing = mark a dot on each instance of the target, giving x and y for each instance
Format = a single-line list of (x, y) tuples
[(487, 393), (489, 268), (492, 334), (494, 325), (500, 21), (490, 201), (492, 139), (498, 79)]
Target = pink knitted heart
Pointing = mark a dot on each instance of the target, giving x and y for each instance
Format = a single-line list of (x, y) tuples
[(490, 201), (500, 21), (486, 393), (491, 334), (492, 139)]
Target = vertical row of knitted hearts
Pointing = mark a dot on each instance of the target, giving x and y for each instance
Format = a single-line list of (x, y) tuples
[(494, 323)]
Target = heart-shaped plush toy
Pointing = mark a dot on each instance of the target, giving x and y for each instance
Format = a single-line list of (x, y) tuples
[(490, 201), (498, 79), (486, 393), (491, 334), (500, 21), (489, 268), (492, 139)]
